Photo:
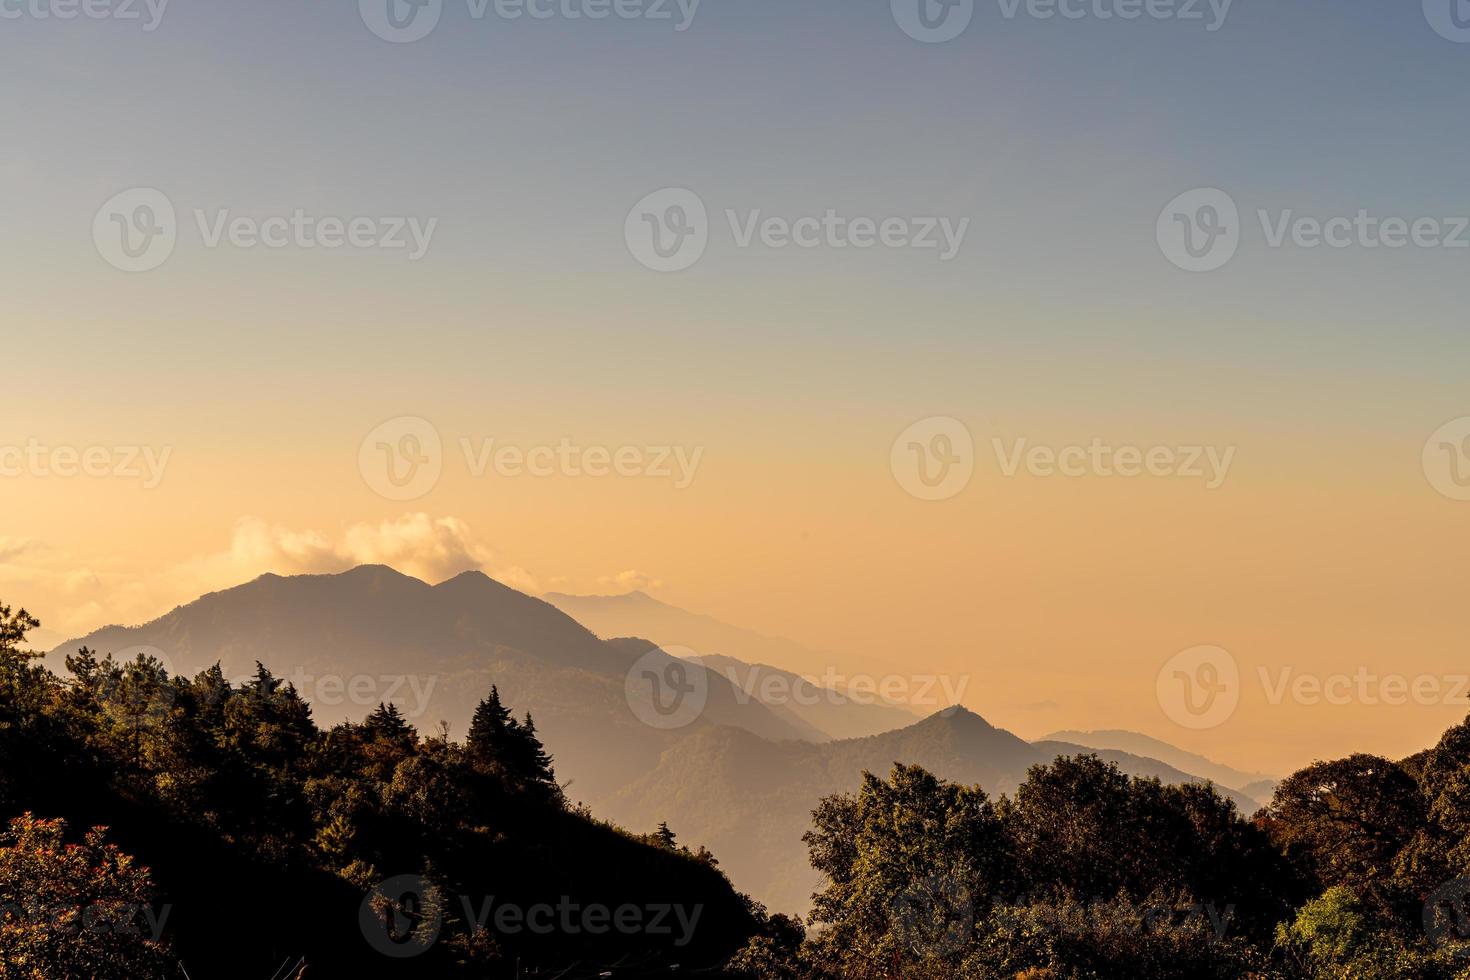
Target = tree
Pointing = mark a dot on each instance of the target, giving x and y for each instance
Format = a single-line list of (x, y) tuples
[(510, 749), (489, 725), (76, 911), (908, 862), (1347, 821)]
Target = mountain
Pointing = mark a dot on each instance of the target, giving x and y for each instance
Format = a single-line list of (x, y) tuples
[(639, 614), (828, 713), (1256, 785), (350, 640), (750, 800)]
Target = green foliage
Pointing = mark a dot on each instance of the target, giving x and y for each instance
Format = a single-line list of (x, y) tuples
[(76, 910), (235, 800)]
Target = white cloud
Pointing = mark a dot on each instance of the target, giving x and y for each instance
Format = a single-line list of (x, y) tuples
[(78, 598)]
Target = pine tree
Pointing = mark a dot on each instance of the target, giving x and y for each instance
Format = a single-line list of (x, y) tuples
[(533, 764), (664, 837), (489, 726), (386, 722)]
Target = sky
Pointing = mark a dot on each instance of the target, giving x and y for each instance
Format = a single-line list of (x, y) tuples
[(770, 398)]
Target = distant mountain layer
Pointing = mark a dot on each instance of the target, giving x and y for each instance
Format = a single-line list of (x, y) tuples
[(639, 614), (1256, 785), (371, 634), (741, 777), (750, 800), (829, 714)]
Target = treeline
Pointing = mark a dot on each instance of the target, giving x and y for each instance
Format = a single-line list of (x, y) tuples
[(242, 841), (1358, 870)]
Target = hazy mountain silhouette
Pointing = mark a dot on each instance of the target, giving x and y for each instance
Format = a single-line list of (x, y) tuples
[(1257, 785), (829, 714), (640, 614), (434, 651), (750, 800)]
